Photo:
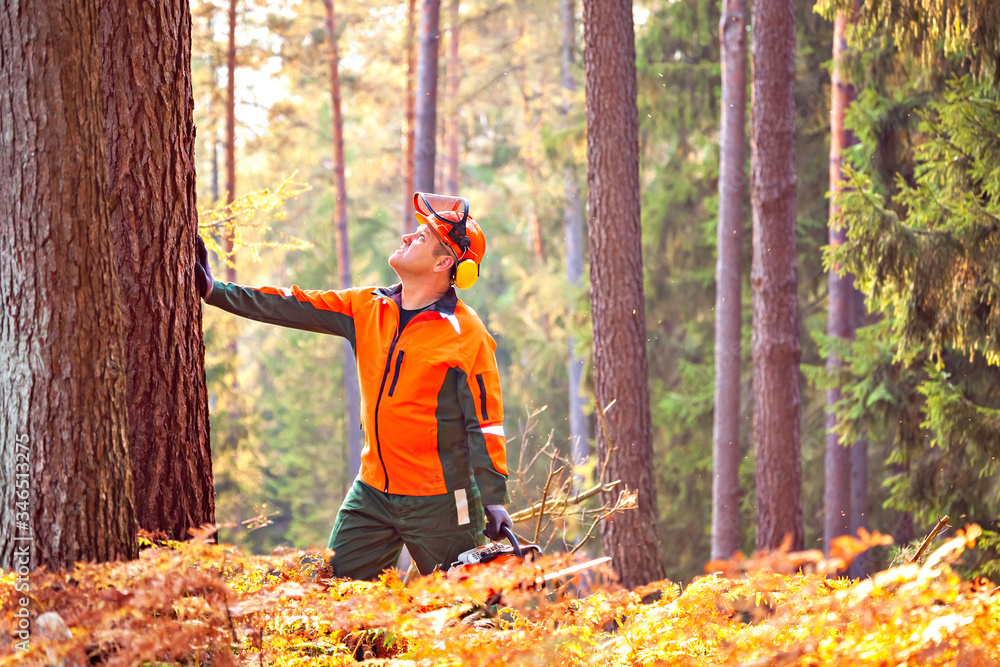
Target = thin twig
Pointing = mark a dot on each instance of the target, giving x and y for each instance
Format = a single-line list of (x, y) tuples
[(607, 436), (545, 496), (529, 513), (941, 524), (597, 521), (529, 425), (586, 538)]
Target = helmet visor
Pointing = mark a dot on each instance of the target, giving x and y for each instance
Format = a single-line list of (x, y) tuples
[(432, 206)]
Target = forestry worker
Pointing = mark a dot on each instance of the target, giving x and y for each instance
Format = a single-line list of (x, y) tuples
[(433, 468)]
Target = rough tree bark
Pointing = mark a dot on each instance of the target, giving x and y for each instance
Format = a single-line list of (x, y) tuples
[(149, 122), (579, 432), (454, 74), (729, 282), (409, 222), (616, 291), (775, 341), (68, 491), (352, 396), (426, 101)]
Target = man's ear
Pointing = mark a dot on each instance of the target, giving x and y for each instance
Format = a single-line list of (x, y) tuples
[(444, 263)]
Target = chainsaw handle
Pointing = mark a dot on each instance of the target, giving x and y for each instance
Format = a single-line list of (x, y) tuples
[(509, 534)]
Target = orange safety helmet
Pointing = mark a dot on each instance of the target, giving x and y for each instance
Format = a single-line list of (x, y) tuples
[(449, 218)]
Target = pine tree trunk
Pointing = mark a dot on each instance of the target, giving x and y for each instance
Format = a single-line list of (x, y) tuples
[(409, 222), (227, 243), (442, 137), (352, 396), (616, 290), (528, 154), (861, 567), (426, 103), (579, 432), (840, 319), (68, 490), (729, 283), (149, 122), (454, 64), (775, 341)]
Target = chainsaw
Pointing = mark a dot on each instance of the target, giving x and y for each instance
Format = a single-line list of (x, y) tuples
[(498, 553)]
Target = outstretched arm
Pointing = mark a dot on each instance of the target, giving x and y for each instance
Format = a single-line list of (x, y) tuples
[(321, 311)]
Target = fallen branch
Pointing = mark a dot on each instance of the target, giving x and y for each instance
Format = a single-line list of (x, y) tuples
[(550, 506), (941, 524)]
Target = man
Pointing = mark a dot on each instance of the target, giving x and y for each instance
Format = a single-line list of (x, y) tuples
[(433, 468)]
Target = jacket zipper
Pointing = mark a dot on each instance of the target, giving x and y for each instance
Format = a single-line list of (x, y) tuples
[(395, 376), (482, 397), (378, 401)]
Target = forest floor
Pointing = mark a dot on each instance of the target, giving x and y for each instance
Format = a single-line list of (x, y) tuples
[(197, 603)]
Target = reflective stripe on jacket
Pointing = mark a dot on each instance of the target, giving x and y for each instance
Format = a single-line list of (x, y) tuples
[(431, 407)]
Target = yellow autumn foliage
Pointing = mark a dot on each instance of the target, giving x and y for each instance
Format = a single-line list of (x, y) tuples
[(196, 603)]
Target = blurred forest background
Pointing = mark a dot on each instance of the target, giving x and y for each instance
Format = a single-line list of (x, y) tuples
[(278, 418)]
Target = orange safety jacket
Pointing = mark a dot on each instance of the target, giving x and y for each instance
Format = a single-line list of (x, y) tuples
[(431, 407)]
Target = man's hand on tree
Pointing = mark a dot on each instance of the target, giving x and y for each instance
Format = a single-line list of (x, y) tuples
[(496, 517), (202, 271)]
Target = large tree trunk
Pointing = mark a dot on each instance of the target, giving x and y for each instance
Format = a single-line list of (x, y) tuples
[(227, 242), (409, 222), (579, 432), (454, 73), (352, 396), (619, 314), (68, 491), (775, 341), (149, 123), (729, 283), (426, 104)]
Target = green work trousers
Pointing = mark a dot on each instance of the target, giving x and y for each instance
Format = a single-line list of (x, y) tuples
[(372, 527)]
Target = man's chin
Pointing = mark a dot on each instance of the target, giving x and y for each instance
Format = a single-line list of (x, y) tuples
[(394, 260)]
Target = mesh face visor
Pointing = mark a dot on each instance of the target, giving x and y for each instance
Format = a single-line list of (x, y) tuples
[(433, 206)]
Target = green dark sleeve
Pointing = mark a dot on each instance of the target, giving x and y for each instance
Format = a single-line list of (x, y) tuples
[(328, 312)]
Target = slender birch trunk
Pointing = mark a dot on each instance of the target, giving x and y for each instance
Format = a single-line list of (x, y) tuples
[(729, 282)]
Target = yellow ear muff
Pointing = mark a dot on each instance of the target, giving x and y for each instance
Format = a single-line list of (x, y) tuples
[(466, 274)]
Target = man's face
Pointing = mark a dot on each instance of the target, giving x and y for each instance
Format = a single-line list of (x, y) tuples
[(422, 252)]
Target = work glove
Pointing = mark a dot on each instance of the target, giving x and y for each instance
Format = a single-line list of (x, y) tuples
[(202, 271), (496, 517)]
